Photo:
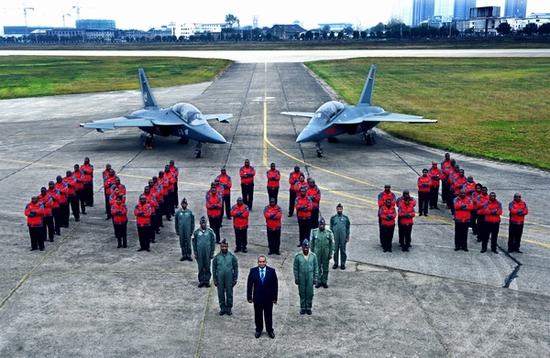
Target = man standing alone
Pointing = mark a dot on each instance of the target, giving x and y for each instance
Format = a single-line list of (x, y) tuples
[(262, 290), (340, 227)]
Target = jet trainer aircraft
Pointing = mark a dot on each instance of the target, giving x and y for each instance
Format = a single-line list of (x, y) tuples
[(334, 118), (182, 120)]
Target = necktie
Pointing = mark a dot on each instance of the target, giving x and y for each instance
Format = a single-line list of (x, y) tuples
[(262, 275)]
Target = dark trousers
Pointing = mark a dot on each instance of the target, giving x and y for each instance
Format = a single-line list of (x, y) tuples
[(73, 200), (445, 190), (291, 201), (492, 233), (405, 235), (272, 193), (65, 212), (120, 234), (226, 205), (434, 195), (241, 238), (461, 235), (107, 206), (515, 231), (263, 312), (37, 237), (387, 236), (304, 229), (473, 222), (423, 200), (274, 240), (57, 220), (82, 199), (89, 194), (215, 224), (248, 194), (481, 227), (176, 195), (144, 234), (314, 218), (49, 226), (172, 203), (450, 201)]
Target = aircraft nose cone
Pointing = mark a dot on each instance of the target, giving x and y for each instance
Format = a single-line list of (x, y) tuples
[(306, 135), (212, 136)]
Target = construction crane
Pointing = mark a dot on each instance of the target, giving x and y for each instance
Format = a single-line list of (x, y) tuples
[(63, 16), (77, 8), (25, 10)]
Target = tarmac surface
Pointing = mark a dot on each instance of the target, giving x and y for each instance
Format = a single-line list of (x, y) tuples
[(84, 297), (285, 56)]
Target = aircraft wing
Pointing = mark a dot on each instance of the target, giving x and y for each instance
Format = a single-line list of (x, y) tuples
[(117, 122), (221, 117), (299, 114), (385, 117)]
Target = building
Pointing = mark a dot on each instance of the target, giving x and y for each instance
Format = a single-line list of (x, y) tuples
[(95, 24), (402, 11), (444, 9), (336, 26), (18, 31), (483, 21), (462, 9), (287, 32), (422, 10), (515, 8)]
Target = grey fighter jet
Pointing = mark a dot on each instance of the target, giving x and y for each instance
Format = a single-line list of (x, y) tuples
[(182, 120), (334, 118)]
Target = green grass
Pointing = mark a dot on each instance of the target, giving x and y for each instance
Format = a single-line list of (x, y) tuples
[(29, 76), (493, 108)]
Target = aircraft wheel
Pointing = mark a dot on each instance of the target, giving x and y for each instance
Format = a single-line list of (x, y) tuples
[(197, 154)]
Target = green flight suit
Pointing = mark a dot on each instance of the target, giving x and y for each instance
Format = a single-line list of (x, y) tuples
[(204, 243), (185, 225), (225, 269), (322, 244), (340, 224), (306, 273)]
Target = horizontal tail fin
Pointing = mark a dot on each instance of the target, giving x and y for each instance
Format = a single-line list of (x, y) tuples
[(148, 98), (366, 95)]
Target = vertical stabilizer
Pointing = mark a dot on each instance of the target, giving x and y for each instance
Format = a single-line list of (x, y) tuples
[(366, 95), (148, 98)]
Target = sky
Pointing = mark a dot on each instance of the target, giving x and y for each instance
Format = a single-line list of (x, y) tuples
[(147, 14)]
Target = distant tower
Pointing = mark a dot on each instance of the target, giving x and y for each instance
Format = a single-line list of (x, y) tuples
[(462, 9), (515, 8), (255, 22), (444, 8), (422, 10), (402, 10)]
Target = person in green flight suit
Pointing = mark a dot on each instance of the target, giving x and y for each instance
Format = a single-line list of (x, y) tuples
[(322, 244), (306, 272), (185, 225), (339, 225), (225, 269), (204, 243)]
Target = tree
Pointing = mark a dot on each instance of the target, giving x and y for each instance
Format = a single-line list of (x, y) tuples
[(231, 19), (326, 28), (530, 29), (378, 30), (504, 28), (544, 29)]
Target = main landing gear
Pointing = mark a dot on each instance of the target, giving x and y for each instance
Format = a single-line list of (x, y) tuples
[(368, 137), (198, 148), (319, 150), (148, 141)]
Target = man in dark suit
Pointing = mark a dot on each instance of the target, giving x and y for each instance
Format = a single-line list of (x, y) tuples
[(262, 290)]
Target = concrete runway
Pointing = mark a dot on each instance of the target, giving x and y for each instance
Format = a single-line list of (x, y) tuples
[(295, 56), (83, 296)]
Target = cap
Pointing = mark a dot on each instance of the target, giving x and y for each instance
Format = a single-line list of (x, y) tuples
[(339, 205), (224, 242), (184, 200), (322, 221), (305, 243), (203, 220)]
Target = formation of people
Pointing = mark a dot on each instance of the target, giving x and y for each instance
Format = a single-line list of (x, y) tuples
[(50, 211), (469, 202)]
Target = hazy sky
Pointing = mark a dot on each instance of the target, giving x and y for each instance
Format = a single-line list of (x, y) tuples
[(147, 14)]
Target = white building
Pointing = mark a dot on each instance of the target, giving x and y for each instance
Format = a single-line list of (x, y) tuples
[(480, 25), (445, 9)]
